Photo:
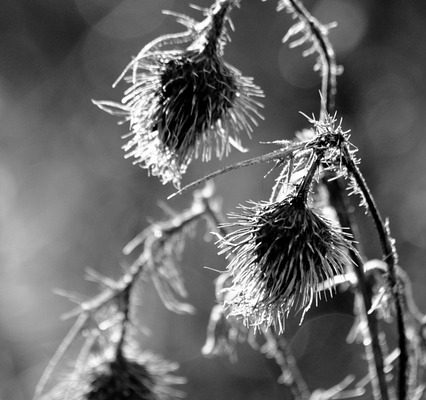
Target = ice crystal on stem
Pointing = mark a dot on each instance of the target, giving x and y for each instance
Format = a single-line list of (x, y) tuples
[(186, 101)]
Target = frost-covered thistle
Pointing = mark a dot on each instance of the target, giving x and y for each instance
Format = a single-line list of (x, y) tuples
[(144, 377), (186, 101), (280, 255)]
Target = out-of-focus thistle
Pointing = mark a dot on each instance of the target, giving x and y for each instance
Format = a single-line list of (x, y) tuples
[(117, 377), (186, 101), (280, 257)]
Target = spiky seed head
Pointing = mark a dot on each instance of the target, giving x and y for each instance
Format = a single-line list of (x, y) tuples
[(145, 377), (280, 255), (191, 85), (190, 105), (186, 102)]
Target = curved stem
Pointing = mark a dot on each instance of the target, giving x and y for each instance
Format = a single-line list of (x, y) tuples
[(276, 155), (390, 258), (303, 190), (326, 53), (373, 350)]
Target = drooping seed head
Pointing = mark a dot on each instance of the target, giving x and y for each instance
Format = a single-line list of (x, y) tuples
[(186, 102), (280, 255)]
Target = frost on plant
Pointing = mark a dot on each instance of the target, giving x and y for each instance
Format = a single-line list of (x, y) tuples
[(186, 101)]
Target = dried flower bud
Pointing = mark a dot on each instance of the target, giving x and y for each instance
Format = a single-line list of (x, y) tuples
[(145, 377), (280, 255), (187, 102)]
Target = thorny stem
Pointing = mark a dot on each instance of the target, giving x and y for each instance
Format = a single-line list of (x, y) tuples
[(326, 53), (373, 349), (328, 89), (390, 258), (280, 155), (111, 294)]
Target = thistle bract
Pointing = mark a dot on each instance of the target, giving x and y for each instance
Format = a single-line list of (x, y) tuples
[(280, 256)]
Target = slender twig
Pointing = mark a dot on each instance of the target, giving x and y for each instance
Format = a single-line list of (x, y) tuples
[(280, 154), (76, 328), (111, 293), (390, 258)]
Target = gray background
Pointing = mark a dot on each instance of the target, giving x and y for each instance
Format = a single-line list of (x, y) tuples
[(68, 199)]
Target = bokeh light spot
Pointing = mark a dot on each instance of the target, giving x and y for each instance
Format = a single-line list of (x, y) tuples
[(352, 22), (297, 71)]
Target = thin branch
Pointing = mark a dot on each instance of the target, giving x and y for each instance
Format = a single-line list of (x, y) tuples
[(280, 154), (373, 349), (110, 294), (69, 338)]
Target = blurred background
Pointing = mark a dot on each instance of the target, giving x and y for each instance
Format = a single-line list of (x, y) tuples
[(69, 200)]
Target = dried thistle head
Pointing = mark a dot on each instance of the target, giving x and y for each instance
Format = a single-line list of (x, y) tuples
[(186, 102), (280, 255), (117, 377)]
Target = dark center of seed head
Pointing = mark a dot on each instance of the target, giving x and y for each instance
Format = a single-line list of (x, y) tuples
[(124, 381), (289, 244), (196, 91)]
